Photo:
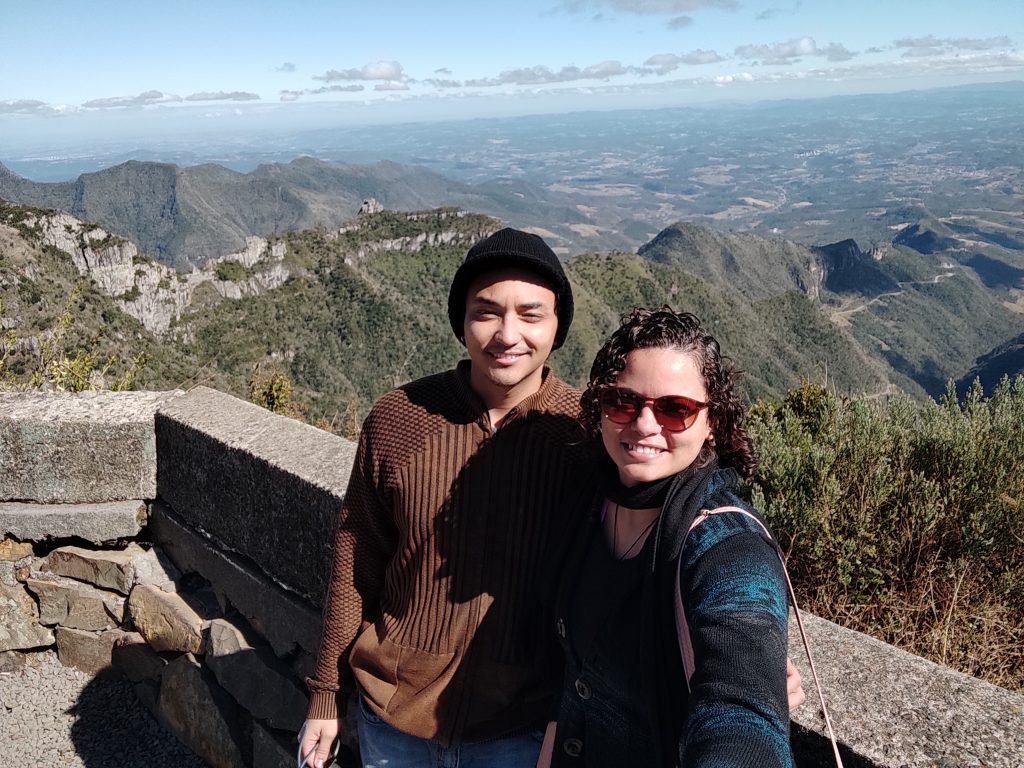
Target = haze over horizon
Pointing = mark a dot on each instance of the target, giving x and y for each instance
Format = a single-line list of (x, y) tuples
[(121, 72)]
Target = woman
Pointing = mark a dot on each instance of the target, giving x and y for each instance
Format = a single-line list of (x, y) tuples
[(662, 410)]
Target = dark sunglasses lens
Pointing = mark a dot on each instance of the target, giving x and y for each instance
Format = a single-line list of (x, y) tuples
[(676, 413), (620, 407)]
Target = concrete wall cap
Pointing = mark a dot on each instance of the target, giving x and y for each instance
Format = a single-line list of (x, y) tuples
[(316, 456), (96, 407)]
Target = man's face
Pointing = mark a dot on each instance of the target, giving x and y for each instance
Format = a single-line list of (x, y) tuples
[(510, 328)]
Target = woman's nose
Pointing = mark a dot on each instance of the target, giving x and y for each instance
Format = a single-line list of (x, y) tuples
[(646, 423)]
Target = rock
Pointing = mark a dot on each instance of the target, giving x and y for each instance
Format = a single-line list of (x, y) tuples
[(133, 658), (272, 749), (303, 664), (252, 674), (7, 574), (284, 620), (84, 650), (155, 568), (11, 662), (110, 569), (370, 206), (76, 605), (85, 447), (165, 620), (218, 454), (148, 692), (18, 627), (106, 521), (11, 550), (201, 714)]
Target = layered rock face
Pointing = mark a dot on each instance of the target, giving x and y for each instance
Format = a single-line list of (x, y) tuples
[(152, 293)]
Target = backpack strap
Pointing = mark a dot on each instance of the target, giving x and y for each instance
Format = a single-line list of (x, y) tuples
[(683, 628)]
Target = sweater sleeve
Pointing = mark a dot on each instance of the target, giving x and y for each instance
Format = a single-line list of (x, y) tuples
[(364, 543), (736, 607)]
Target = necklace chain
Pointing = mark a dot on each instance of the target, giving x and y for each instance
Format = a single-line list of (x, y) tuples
[(615, 533)]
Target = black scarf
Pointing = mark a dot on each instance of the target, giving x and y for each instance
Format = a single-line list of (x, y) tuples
[(680, 497), (640, 496)]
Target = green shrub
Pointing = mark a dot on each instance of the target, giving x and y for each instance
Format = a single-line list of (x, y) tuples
[(230, 270), (902, 518)]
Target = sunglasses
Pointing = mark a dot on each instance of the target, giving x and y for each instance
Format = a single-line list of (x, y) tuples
[(674, 412)]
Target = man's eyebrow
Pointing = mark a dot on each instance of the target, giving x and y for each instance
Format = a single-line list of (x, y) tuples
[(484, 301)]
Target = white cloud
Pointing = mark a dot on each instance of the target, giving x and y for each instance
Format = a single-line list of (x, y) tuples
[(778, 53), (146, 98), (286, 67), (604, 69), (663, 63), (542, 75), (791, 51), (441, 82), (836, 52), (223, 96), (354, 88), (924, 47), (741, 77), (391, 87), (771, 13), (377, 70), (680, 22), (26, 107)]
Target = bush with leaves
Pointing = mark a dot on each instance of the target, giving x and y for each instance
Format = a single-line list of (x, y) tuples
[(57, 368), (903, 519), (271, 388)]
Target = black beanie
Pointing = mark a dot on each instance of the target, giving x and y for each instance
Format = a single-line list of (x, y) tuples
[(511, 248)]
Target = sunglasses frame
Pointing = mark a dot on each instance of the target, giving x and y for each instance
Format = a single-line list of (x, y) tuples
[(640, 402)]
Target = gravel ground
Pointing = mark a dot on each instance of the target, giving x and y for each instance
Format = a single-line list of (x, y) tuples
[(55, 715)]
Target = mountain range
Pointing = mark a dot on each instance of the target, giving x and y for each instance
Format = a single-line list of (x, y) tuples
[(352, 311), (184, 216)]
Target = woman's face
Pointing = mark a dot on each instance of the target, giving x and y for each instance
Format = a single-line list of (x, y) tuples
[(643, 450)]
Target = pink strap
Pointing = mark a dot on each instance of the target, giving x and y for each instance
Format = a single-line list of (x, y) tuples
[(683, 628)]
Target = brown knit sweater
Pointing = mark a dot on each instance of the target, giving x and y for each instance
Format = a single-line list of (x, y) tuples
[(433, 607)]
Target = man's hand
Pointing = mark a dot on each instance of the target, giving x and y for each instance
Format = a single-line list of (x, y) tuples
[(316, 742), (794, 686)]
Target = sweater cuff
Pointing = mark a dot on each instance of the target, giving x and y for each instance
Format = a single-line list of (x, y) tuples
[(327, 705)]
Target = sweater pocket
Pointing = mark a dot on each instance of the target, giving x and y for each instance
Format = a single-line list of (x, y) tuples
[(402, 685)]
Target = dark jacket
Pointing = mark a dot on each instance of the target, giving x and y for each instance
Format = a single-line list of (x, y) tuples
[(636, 708)]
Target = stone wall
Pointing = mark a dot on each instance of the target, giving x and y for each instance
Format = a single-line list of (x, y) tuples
[(183, 541)]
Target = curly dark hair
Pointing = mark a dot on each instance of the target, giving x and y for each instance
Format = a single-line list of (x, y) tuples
[(666, 329)]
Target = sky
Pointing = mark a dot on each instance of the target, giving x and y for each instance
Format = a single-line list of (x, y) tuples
[(110, 63)]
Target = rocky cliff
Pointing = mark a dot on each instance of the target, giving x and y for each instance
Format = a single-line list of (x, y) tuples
[(152, 293)]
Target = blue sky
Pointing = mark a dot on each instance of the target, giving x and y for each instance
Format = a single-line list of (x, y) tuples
[(430, 60)]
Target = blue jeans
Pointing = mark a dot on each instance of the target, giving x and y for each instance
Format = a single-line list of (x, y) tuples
[(381, 746)]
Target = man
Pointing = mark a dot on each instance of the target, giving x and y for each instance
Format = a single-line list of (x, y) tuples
[(432, 612)]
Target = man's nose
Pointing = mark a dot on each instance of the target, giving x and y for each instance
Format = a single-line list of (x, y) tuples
[(510, 331)]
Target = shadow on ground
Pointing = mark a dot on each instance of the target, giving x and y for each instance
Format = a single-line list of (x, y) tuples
[(113, 729)]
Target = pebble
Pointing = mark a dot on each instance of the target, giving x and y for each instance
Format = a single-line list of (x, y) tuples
[(56, 715)]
